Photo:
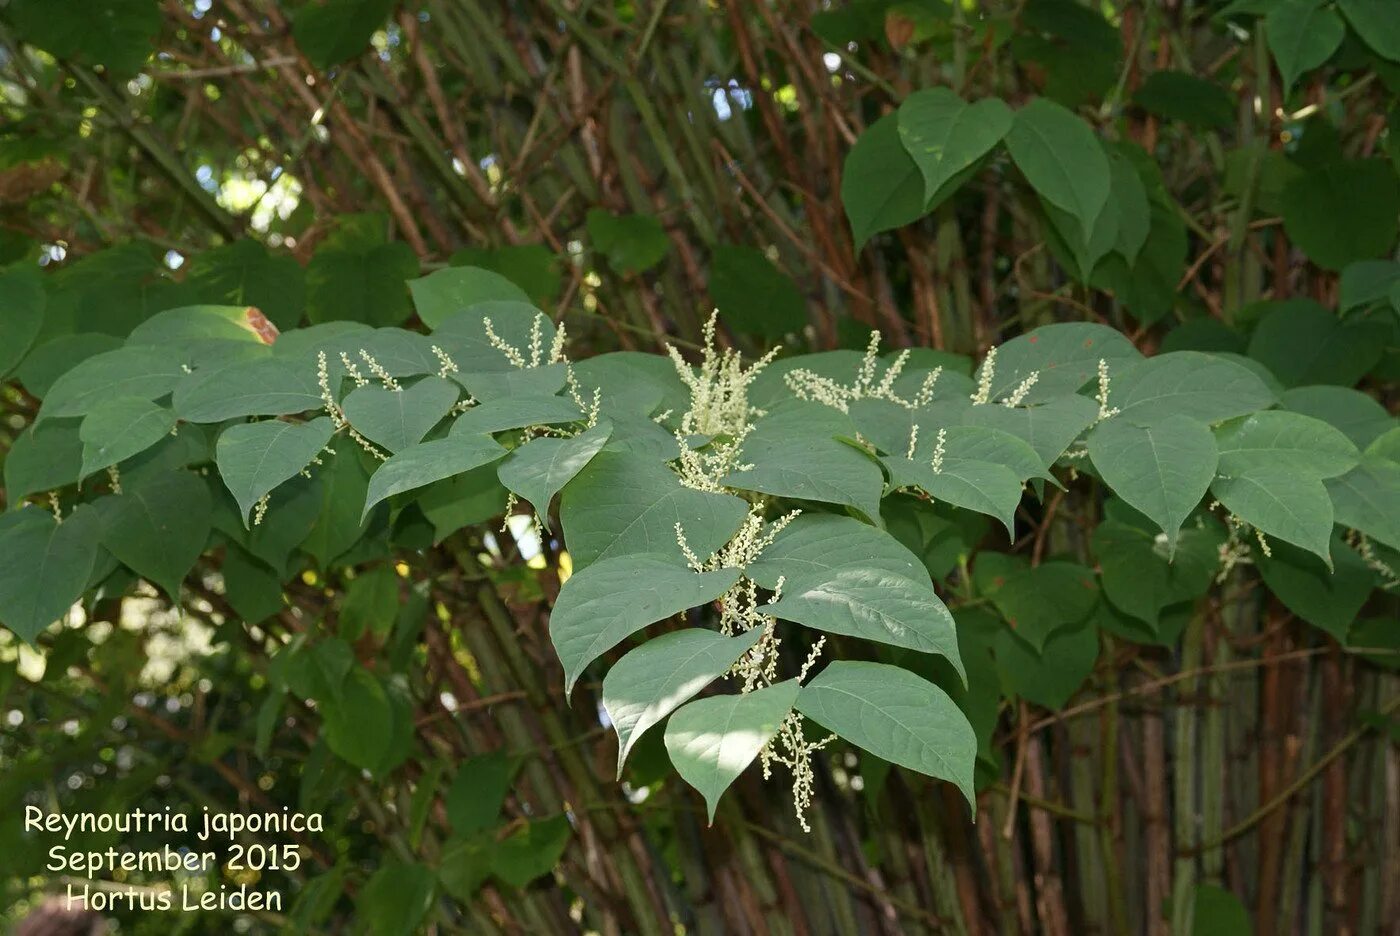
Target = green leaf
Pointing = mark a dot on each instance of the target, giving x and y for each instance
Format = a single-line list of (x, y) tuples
[(1051, 676), (258, 387), (478, 792), (252, 588), (622, 504), (158, 527), (1064, 357), (246, 273), (43, 458), (254, 458), (609, 601), (333, 31), (359, 719), (1343, 211), (881, 187), (539, 469), (1366, 282), (1358, 416), (22, 302), (985, 487), (397, 419), (532, 267), (442, 293), (120, 427), (1289, 440), (1302, 35), (1141, 580), (1282, 503), (754, 295), (810, 468), (896, 715), (1062, 159), (344, 483), (530, 852), (653, 680), (397, 897), (1040, 601), (945, 135), (1049, 429), (147, 373), (632, 243), (814, 547), (118, 35), (426, 462), (1374, 21), (1303, 343), (517, 412), (1365, 499), (712, 740), (1326, 598), (360, 284), (462, 334), (1162, 470), (1194, 101), (1204, 387), (1217, 912), (985, 444), (371, 601), (44, 566)]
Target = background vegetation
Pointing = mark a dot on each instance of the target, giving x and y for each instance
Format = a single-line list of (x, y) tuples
[(1225, 743)]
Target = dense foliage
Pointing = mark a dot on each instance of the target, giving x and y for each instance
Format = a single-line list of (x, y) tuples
[(326, 510)]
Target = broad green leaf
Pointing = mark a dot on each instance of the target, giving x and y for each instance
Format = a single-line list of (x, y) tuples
[(754, 295), (1217, 912), (1303, 343), (48, 360), (1326, 598), (1386, 446), (247, 273), (944, 135), (819, 469), (1162, 470), (462, 334), (1365, 282), (530, 852), (1357, 415), (1204, 387), (1282, 503), (814, 546), (1049, 428), (1063, 357), (344, 483), (292, 510), (364, 283), (532, 267), (609, 601), (397, 897), (462, 500), (1040, 601), (1129, 203), (653, 680), (148, 373), (158, 528), (119, 35), (333, 31), (478, 792), (22, 302), (517, 412), (1302, 35), (896, 715), (261, 387), (859, 601), (1374, 21), (43, 458), (252, 588), (1196, 102), (254, 458), (516, 383), (712, 740), (442, 293), (881, 187), (1289, 440), (371, 601), (44, 566), (985, 487), (1343, 211), (397, 419), (359, 719), (1139, 577), (1365, 499), (120, 427), (1050, 676), (426, 462), (621, 503), (632, 243), (985, 444), (539, 469), (1062, 159)]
